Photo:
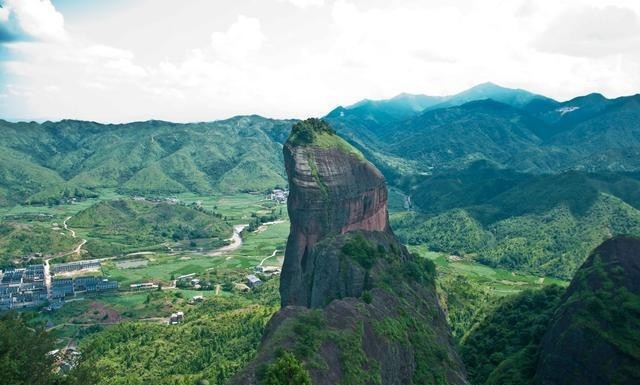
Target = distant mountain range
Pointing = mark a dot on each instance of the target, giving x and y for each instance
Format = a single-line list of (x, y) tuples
[(515, 179), (528, 182), (510, 128)]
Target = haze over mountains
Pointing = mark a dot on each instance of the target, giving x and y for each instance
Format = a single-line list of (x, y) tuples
[(509, 128)]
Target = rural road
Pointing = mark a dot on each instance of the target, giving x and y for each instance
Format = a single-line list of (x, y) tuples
[(235, 242)]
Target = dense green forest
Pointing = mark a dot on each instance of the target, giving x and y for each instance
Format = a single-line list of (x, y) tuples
[(215, 340), (503, 346), (23, 352), (597, 324), (542, 224)]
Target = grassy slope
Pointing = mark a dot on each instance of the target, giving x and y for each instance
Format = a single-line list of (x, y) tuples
[(23, 239), (115, 227)]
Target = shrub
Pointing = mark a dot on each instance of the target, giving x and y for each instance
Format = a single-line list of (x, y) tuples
[(287, 370)]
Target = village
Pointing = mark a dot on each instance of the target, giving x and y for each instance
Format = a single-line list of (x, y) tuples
[(37, 285)]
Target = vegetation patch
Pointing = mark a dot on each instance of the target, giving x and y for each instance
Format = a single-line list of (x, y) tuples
[(509, 337), (115, 227), (318, 133)]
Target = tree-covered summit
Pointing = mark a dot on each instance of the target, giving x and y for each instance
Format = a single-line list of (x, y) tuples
[(315, 132), (307, 131)]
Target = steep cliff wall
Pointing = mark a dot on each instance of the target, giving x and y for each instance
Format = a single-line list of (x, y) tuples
[(333, 190), (357, 307)]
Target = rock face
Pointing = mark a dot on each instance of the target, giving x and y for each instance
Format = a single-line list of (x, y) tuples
[(357, 307), (594, 337), (333, 190)]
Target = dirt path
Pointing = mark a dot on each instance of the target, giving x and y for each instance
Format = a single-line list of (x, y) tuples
[(73, 233), (78, 249), (271, 256), (235, 242)]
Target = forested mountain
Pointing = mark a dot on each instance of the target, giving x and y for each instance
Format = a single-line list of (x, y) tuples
[(542, 136), (544, 224), (586, 335), (48, 162), (515, 179), (597, 323)]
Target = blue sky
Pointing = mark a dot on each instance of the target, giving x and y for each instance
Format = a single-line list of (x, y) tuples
[(198, 60)]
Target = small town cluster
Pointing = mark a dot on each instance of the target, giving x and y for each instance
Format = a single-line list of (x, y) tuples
[(278, 195), (36, 285)]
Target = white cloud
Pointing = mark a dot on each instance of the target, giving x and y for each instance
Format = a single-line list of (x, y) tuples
[(304, 3), (243, 38), (175, 68), (592, 32), (106, 52), (31, 20)]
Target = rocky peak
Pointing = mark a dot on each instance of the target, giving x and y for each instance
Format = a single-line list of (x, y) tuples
[(357, 307), (333, 190)]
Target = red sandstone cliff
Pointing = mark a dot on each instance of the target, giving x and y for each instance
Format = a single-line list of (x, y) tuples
[(333, 190)]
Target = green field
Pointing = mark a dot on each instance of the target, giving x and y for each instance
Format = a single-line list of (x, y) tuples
[(500, 282), (161, 267)]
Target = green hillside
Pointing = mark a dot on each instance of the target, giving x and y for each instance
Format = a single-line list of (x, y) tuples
[(18, 240), (597, 323), (116, 227), (503, 347), (50, 162), (215, 341), (541, 224), (551, 336)]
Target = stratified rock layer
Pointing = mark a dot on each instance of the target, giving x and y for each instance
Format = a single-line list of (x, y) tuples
[(332, 191)]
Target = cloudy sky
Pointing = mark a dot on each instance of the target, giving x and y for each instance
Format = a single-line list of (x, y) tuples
[(198, 60)]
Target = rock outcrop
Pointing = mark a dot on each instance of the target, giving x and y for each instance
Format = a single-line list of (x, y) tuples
[(594, 337), (357, 307), (333, 190)]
